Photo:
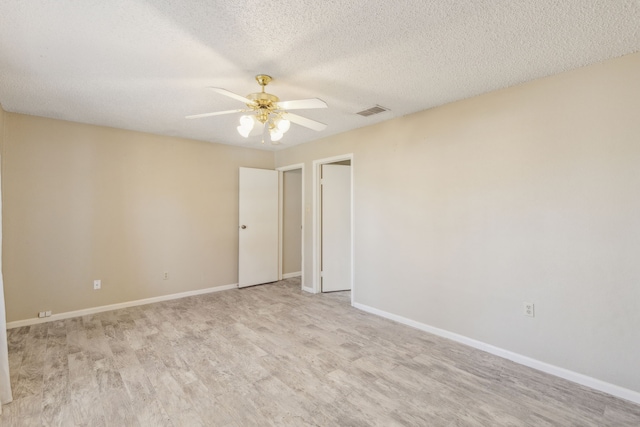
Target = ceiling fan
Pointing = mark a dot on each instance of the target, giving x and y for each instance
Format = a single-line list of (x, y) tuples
[(268, 110)]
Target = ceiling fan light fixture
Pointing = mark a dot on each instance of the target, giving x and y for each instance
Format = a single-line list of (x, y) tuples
[(243, 131), (276, 135), (246, 121), (284, 125), (246, 125)]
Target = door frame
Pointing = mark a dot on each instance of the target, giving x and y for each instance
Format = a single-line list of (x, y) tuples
[(317, 220), (281, 171)]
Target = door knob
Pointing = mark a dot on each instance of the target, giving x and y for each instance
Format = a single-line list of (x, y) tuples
[(243, 226)]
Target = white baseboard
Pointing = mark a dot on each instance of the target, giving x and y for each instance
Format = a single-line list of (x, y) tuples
[(308, 289), (596, 384), (100, 309), (290, 275)]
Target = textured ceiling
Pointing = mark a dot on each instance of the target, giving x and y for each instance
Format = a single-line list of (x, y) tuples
[(145, 64)]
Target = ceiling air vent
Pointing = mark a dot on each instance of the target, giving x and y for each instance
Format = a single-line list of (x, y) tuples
[(371, 111)]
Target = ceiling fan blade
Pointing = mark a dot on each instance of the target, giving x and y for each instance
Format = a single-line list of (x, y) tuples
[(232, 95), (303, 121), (217, 113), (301, 104)]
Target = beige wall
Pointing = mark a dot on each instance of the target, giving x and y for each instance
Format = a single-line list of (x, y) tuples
[(531, 193), (292, 221), (84, 202)]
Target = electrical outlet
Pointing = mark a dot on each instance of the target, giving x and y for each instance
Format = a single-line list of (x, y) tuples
[(97, 284), (47, 313), (166, 275), (42, 314), (528, 309)]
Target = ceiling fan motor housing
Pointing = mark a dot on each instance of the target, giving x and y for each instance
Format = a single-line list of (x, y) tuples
[(264, 103)]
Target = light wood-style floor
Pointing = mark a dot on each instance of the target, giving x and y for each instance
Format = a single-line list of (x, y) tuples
[(273, 355)]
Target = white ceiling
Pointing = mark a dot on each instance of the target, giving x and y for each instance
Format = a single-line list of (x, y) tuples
[(145, 64)]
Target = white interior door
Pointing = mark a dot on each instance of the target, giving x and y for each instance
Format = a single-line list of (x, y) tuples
[(336, 228), (258, 227)]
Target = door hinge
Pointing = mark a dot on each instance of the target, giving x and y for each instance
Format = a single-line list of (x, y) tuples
[(322, 274)]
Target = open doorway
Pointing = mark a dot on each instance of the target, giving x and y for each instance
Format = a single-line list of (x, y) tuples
[(291, 222)]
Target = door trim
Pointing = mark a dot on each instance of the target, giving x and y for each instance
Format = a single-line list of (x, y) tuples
[(281, 171), (317, 220)]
